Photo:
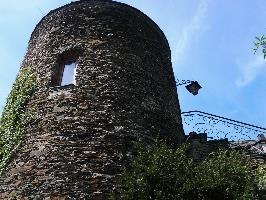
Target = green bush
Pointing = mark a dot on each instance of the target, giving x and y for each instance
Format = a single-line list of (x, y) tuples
[(162, 173), (261, 179), (226, 174), (15, 116)]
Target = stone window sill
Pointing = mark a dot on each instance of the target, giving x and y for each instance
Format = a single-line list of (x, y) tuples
[(63, 87)]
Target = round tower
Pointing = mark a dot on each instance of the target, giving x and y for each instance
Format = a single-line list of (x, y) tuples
[(105, 80)]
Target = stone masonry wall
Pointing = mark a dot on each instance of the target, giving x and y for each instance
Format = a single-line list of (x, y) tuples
[(82, 134)]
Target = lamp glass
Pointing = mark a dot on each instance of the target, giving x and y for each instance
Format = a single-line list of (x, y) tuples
[(193, 87)]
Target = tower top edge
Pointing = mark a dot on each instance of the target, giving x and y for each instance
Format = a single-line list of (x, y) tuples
[(105, 3)]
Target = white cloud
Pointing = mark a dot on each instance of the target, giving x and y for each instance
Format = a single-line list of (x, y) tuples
[(190, 31), (251, 70)]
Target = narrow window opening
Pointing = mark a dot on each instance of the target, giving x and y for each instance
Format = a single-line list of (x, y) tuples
[(64, 73), (68, 73)]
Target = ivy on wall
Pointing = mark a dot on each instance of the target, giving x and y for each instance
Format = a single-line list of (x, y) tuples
[(15, 115)]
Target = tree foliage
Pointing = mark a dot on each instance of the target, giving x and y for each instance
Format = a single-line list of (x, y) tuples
[(162, 173), (260, 42), (261, 177), (15, 116)]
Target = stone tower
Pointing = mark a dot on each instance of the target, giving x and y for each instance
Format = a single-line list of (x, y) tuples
[(105, 79)]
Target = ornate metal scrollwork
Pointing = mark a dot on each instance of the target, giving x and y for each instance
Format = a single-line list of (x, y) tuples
[(218, 127), (182, 82)]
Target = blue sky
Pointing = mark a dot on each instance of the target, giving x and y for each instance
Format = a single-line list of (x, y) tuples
[(211, 42)]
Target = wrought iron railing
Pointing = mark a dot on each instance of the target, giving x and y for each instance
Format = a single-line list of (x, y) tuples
[(218, 127)]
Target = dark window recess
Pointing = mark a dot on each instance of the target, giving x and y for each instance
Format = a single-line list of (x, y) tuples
[(65, 71)]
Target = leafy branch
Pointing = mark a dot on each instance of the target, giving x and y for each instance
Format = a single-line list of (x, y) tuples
[(260, 42)]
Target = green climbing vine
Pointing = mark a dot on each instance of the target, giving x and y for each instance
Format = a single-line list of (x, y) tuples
[(15, 115)]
